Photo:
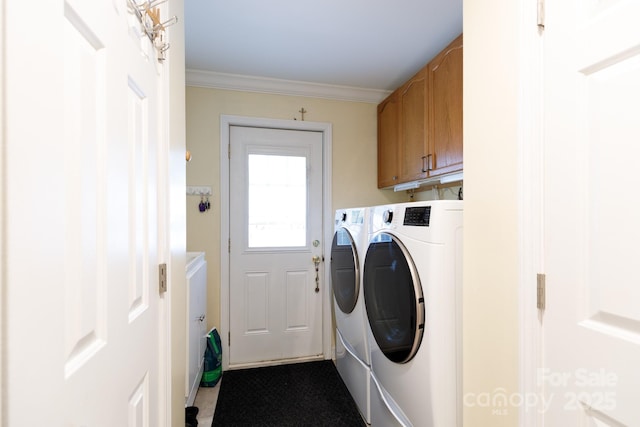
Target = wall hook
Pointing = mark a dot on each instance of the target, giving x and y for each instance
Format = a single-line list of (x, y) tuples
[(156, 3), (148, 14), (169, 22)]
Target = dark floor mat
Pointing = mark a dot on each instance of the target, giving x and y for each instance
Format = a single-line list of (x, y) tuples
[(301, 394)]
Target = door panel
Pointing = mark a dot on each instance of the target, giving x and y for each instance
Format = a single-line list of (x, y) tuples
[(295, 291), (85, 279), (83, 325), (275, 216), (591, 325)]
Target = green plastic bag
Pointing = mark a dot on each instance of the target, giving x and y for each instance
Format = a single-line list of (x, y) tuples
[(212, 360)]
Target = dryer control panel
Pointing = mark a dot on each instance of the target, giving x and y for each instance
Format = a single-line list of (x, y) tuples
[(417, 216)]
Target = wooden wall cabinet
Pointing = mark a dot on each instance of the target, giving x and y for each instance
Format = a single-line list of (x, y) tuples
[(445, 110), (420, 123), (413, 127), (388, 141)]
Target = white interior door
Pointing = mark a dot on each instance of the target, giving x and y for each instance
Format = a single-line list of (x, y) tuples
[(591, 326), (275, 231), (83, 108)]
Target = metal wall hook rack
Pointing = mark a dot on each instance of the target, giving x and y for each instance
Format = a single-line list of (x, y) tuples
[(148, 14)]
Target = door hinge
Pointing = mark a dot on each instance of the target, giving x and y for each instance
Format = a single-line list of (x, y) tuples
[(229, 248), (229, 339), (540, 14), (162, 277), (541, 288), (229, 151)]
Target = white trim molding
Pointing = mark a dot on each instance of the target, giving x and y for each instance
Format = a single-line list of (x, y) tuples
[(210, 79), (531, 222), (226, 121)]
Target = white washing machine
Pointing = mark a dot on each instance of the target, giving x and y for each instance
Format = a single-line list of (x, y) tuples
[(353, 361), (412, 284)]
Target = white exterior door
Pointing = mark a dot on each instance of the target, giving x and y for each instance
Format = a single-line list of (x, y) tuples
[(591, 326), (275, 231), (84, 132)]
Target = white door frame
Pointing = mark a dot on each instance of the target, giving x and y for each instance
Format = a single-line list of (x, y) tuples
[(226, 121), (3, 191), (531, 168)]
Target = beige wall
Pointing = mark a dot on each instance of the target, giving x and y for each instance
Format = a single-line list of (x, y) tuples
[(491, 251), (354, 160)]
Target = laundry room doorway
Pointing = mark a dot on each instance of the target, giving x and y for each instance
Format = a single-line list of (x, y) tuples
[(275, 292)]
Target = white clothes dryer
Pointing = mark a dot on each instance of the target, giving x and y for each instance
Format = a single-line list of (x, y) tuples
[(412, 288), (353, 361)]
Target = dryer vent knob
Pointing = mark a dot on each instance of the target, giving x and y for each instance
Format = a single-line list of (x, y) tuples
[(344, 216), (387, 216)]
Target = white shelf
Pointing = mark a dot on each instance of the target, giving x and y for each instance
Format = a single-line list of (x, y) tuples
[(199, 190)]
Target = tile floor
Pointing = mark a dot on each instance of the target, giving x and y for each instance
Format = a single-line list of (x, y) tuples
[(206, 399)]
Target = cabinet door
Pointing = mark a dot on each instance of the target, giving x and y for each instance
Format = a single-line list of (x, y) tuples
[(413, 129), (445, 110), (196, 327), (388, 141)]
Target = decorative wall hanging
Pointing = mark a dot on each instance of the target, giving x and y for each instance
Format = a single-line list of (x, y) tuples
[(148, 14)]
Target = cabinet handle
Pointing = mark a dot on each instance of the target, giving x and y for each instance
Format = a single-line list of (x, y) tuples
[(395, 177), (427, 166)]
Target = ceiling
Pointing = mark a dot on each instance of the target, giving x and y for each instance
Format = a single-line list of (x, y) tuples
[(368, 44)]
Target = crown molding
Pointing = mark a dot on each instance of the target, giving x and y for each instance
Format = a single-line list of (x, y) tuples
[(209, 79)]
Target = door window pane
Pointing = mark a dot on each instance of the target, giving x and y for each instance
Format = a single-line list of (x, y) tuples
[(277, 201)]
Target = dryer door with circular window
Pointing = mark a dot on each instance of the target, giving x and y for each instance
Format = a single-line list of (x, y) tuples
[(393, 298), (345, 271)]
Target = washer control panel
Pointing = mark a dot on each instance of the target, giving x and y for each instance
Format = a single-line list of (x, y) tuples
[(417, 216)]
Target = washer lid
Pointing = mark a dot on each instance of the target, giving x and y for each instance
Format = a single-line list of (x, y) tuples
[(345, 270), (393, 298)]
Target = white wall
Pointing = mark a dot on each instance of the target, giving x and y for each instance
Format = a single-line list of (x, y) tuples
[(2, 205), (491, 172)]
